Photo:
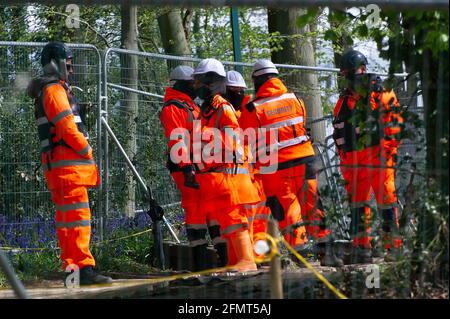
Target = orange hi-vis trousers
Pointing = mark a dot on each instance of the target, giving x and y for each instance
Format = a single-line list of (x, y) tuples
[(195, 219), (73, 225), (366, 171), (283, 190), (258, 213), (258, 216)]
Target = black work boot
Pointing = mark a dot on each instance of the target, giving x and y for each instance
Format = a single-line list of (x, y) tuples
[(327, 255), (222, 254), (88, 276), (200, 254)]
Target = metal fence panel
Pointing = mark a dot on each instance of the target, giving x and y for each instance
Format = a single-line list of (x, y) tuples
[(24, 199), (26, 209)]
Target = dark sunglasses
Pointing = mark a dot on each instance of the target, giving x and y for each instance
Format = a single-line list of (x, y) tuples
[(69, 67)]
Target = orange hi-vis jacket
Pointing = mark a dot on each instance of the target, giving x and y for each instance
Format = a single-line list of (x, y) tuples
[(72, 163), (179, 111), (390, 121), (276, 110), (229, 179)]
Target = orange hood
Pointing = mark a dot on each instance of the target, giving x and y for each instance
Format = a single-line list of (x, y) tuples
[(272, 87), (177, 95)]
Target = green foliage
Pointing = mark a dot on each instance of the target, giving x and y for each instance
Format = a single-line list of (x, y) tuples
[(309, 17), (118, 255)]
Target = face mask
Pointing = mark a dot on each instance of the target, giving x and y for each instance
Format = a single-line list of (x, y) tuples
[(187, 87), (235, 98), (258, 82), (203, 92)]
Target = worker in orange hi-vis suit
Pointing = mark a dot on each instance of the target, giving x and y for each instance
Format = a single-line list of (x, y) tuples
[(67, 159), (224, 180), (367, 156), (177, 117), (280, 117), (257, 214)]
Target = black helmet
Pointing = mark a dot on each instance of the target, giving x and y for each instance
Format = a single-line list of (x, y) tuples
[(55, 50), (352, 60), (54, 59)]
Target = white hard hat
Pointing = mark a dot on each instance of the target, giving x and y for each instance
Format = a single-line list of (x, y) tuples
[(263, 66), (181, 72), (210, 65), (234, 78)]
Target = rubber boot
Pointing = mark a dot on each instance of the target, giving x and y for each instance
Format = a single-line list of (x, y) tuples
[(200, 254), (327, 256), (88, 276), (222, 254), (244, 251), (362, 251)]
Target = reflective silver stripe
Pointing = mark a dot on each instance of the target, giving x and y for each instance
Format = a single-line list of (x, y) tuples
[(360, 204), (61, 115), (45, 143), (340, 141), (257, 205), (78, 223), (84, 151), (387, 206), (213, 222), (293, 141), (77, 119), (197, 242), (268, 169), (220, 112), (42, 120), (232, 228), (219, 240), (289, 122), (67, 207), (196, 226), (262, 216), (231, 171), (64, 163), (324, 239), (273, 99), (339, 125)]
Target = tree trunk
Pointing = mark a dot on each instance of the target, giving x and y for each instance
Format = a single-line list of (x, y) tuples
[(130, 79), (173, 35), (297, 48), (196, 30)]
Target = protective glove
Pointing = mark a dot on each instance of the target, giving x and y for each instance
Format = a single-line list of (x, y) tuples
[(189, 177)]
